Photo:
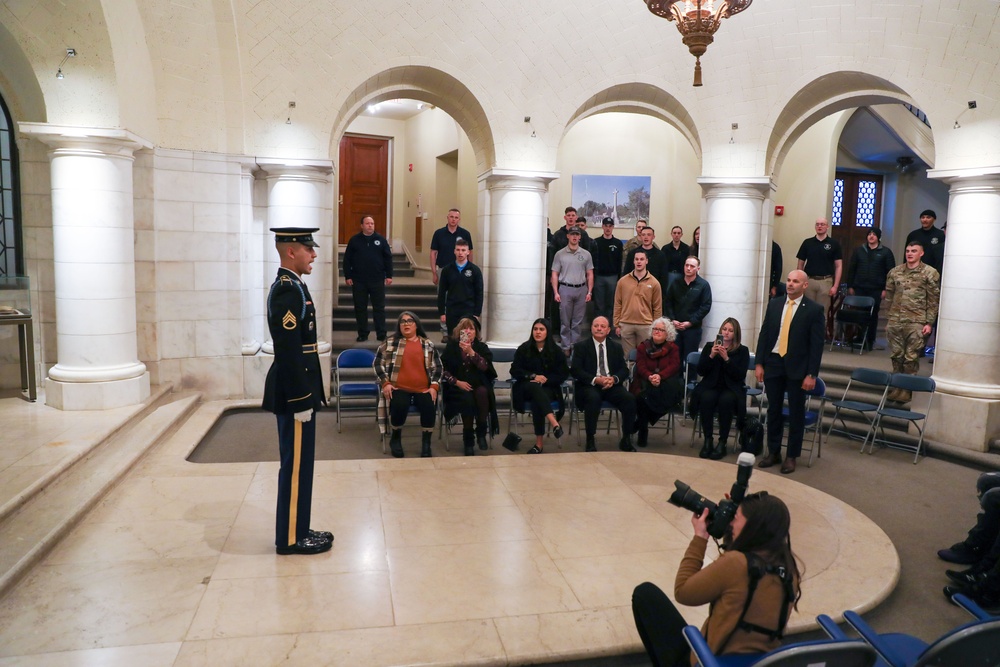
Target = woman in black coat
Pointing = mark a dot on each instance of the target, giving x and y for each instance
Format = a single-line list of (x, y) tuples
[(538, 371), (468, 384), (722, 390)]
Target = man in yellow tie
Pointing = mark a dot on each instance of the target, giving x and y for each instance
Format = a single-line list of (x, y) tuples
[(789, 352)]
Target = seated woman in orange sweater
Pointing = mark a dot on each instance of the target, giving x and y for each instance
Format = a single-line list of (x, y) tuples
[(408, 369), (758, 535)]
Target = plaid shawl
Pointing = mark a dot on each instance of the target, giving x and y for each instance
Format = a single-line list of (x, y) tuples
[(387, 371)]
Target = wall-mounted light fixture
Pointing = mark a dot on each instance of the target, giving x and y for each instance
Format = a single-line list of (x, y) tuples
[(70, 53)]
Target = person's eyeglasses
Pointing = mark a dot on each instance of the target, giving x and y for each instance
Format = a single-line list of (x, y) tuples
[(660, 329), (407, 321)]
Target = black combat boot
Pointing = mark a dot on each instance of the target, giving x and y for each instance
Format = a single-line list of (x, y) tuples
[(469, 441), (396, 443), (706, 449), (425, 444)]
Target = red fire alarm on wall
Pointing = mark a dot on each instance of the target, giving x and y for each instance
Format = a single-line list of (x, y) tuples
[(779, 210)]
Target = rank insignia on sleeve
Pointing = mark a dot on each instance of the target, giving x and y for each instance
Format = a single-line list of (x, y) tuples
[(288, 321)]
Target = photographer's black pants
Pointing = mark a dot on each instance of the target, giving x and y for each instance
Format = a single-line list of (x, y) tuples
[(660, 627)]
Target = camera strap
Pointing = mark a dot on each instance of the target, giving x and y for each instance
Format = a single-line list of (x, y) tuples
[(756, 569)]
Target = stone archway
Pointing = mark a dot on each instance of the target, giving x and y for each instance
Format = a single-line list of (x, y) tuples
[(821, 97), (428, 85), (640, 98)]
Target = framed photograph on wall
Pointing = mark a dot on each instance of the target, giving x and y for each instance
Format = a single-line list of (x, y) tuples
[(624, 198)]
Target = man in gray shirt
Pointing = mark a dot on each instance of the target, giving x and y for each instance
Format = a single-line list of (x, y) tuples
[(572, 284)]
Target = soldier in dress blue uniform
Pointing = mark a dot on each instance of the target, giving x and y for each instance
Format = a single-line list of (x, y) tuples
[(293, 391)]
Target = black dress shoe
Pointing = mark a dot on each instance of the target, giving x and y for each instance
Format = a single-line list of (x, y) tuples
[(380, 336), (306, 546), (361, 338), (625, 444), (321, 535), (591, 445), (770, 460)]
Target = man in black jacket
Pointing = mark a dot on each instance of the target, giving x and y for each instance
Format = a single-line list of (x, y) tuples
[(460, 289), (789, 352), (293, 391), (599, 369), (686, 303), (368, 270), (866, 273)]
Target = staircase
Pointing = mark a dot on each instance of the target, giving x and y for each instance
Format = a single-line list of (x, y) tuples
[(407, 292)]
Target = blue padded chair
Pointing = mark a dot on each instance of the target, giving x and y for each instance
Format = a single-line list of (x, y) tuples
[(865, 376), (814, 418), (354, 358), (911, 383), (755, 392), (690, 382), (973, 643), (840, 652)]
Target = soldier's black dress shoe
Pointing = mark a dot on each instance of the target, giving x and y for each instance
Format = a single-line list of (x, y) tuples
[(591, 445), (625, 444), (306, 546), (321, 535)]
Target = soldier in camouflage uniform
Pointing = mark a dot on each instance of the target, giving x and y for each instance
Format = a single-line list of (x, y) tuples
[(912, 291)]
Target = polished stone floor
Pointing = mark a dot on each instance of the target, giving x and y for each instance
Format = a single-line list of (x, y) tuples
[(490, 560)]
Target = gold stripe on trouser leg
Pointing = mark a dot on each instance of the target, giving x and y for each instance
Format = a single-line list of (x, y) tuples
[(293, 506)]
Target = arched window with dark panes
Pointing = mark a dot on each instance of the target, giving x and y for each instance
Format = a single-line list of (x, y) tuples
[(11, 255)]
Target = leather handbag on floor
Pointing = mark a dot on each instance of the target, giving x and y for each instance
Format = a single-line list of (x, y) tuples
[(512, 441)]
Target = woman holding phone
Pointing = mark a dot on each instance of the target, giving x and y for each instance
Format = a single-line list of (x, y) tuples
[(722, 390), (468, 384)]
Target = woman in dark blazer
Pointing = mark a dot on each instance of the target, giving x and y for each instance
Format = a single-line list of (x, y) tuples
[(468, 384), (722, 390), (538, 371)]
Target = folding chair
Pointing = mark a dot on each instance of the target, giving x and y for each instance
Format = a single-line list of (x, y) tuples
[(854, 311), (842, 652), (691, 379), (813, 418), (354, 358), (865, 376), (973, 643), (911, 383), (755, 392)]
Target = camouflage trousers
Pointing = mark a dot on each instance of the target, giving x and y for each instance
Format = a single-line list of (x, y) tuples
[(905, 343)]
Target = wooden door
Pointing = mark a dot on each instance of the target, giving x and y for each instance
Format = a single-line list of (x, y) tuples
[(857, 207), (364, 184)]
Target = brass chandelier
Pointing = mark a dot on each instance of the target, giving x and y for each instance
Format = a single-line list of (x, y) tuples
[(697, 21)]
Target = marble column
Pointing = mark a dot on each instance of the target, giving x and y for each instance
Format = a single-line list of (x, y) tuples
[(513, 206), (94, 265), (966, 409), (253, 328), (735, 251), (299, 194)]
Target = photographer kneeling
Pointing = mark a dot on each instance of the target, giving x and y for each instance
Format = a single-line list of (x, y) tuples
[(752, 587)]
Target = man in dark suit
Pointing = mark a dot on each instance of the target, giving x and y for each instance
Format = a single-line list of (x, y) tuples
[(293, 391), (789, 351), (599, 369)]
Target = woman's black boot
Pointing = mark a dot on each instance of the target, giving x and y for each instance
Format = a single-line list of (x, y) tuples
[(396, 443), (425, 444), (706, 449), (481, 437), (469, 441), (642, 437), (719, 452)]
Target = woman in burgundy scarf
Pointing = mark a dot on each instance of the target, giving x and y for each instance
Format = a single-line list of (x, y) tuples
[(657, 382)]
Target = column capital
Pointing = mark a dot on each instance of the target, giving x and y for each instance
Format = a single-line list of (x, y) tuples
[(289, 169), (982, 175), (517, 179), (106, 140), (735, 185)]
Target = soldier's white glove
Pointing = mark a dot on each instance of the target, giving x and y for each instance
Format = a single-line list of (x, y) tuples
[(304, 416)]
